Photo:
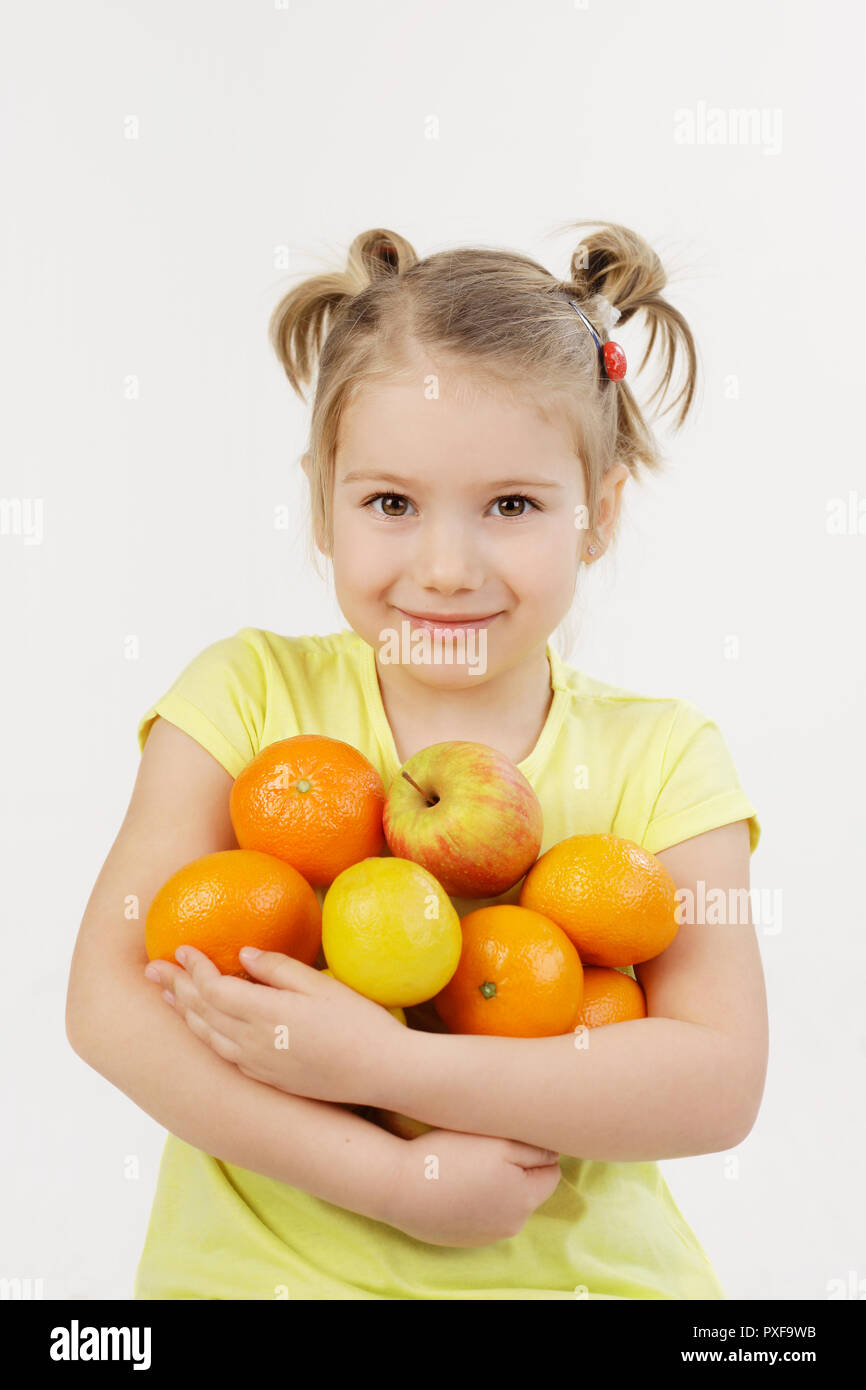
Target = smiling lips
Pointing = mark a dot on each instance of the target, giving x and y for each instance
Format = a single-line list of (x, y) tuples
[(435, 620)]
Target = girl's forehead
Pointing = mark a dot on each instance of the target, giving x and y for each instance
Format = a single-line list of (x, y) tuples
[(409, 440), (450, 393)]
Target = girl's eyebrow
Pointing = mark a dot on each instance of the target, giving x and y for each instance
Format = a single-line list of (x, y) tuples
[(357, 476)]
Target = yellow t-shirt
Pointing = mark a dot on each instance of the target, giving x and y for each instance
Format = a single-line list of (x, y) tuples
[(652, 770)]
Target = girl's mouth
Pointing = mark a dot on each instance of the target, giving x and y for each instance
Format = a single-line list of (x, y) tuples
[(445, 625)]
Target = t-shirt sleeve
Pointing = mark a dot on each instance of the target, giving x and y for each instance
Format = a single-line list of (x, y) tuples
[(699, 787), (219, 699)]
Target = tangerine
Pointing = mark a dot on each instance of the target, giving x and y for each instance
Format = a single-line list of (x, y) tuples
[(518, 976), (609, 996), (233, 898), (312, 801), (615, 900)]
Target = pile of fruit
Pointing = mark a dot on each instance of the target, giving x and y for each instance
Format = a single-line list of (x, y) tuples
[(459, 820)]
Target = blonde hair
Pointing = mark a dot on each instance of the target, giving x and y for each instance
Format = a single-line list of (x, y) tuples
[(503, 320)]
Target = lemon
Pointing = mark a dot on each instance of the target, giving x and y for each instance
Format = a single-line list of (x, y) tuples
[(398, 1013), (390, 931)]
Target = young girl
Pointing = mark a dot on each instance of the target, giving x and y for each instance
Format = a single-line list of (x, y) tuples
[(469, 443)]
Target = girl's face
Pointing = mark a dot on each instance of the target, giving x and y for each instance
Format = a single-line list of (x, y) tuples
[(463, 505)]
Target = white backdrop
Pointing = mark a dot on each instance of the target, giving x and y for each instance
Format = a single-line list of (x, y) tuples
[(166, 167)]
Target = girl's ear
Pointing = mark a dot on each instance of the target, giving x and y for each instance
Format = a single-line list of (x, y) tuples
[(611, 497)]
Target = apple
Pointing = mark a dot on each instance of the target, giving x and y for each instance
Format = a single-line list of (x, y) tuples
[(467, 814)]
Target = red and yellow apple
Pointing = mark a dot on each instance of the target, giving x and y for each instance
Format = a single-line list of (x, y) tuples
[(467, 814)]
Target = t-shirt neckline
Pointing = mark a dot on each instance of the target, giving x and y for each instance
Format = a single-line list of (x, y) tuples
[(529, 765)]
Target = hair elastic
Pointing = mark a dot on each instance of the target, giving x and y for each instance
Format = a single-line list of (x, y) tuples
[(611, 355)]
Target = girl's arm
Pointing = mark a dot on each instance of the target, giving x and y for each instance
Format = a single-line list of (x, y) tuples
[(688, 1079), (148, 1052), (119, 1024)]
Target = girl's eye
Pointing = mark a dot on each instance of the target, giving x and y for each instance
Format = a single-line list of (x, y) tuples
[(517, 497), (389, 497), (398, 497)]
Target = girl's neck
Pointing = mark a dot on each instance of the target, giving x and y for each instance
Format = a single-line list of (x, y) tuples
[(507, 711)]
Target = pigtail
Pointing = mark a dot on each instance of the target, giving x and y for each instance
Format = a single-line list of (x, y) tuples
[(620, 265), (304, 316), (376, 255)]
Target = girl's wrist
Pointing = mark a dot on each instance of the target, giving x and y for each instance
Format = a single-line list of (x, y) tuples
[(367, 1183)]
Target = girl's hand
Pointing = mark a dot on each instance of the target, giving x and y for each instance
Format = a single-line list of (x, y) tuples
[(486, 1188), (298, 1030)]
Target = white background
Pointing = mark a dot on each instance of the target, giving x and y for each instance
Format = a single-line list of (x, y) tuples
[(265, 128)]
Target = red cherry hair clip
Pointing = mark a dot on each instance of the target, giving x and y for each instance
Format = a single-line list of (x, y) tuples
[(610, 354)]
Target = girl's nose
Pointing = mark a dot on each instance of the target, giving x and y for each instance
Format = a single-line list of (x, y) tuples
[(447, 557)]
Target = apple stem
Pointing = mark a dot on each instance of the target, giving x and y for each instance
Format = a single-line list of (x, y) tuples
[(421, 790)]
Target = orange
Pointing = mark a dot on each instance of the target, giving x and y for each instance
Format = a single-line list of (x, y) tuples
[(313, 801), (609, 996), (615, 901), (518, 976), (230, 899)]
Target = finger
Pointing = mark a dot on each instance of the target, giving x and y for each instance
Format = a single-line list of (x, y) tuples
[(168, 972), (223, 1046), (281, 971), (531, 1155), (196, 963), (178, 989), (210, 984), (186, 979), (236, 998), (244, 1000), (189, 999)]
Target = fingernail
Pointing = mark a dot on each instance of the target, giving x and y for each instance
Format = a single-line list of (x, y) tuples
[(168, 996), (180, 954), (249, 952), (152, 973)]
